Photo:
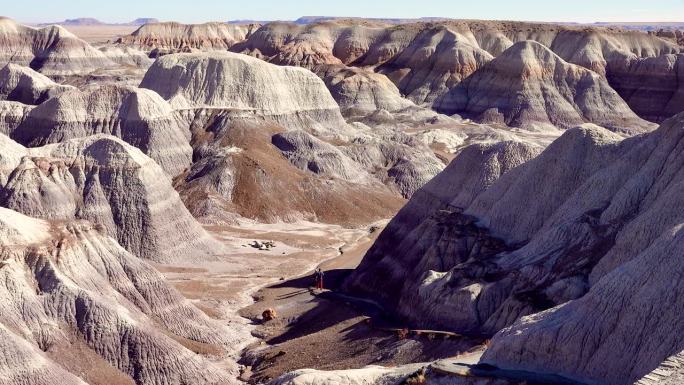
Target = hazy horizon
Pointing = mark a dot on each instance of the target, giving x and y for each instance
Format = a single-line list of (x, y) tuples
[(197, 11)]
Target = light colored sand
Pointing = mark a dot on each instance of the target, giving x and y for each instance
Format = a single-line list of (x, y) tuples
[(221, 288), (100, 33)]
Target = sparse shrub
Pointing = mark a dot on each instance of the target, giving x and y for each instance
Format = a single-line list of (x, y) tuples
[(269, 314)]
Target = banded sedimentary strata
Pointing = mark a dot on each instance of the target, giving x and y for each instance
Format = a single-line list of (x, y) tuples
[(583, 262), (138, 116), (170, 37), (24, 85), (70, 293), (106, 181), (50, 50)]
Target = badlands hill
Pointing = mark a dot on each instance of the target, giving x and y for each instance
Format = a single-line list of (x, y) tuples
[(138, 116), (585, 269), (106, 181), (426, 60), (270, 143), (292, 97), (176, 37), (24, 85), (529, 86), (74, 302), (50, 50), (563, 254)]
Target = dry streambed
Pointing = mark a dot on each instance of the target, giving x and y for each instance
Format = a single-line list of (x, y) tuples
[(222, 287)]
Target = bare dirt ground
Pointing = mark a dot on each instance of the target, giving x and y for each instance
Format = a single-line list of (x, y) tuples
[(221, 288), (329, 331), (316, 330), (95, 34)]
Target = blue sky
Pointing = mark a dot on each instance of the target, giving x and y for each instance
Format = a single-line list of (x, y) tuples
[(217, 10)]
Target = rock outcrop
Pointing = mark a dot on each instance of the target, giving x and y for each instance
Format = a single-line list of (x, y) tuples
[(138, 116), (171, 37), (307, 152), (436, 60), (653, 86), (586, 268), (295, 98), (50, 50), (12, 114), (529, 86), (70, 293), (108, 182), (395, 158), (670, 372), (24, 85), (360, 92)]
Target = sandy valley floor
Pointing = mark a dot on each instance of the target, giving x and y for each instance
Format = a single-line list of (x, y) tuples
[(312, 329)]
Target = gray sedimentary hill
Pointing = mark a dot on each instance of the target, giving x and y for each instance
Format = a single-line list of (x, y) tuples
[(138, 116), (102, 179), (50, 50), (360, 92), (530, 86), (220, 91), (292, 97), (24, 85), (653, 87), (74, 302), (586, 268), (11, 115), (426, 60)]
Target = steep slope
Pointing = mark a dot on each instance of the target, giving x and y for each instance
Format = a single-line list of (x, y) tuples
[(173, 37), (436, 60), (360, 92), (597, 246), (69, 293), (12, 114), (102, 179), (138, 116), (427, 59), (653, 87), (50, 50), (529, 86), (240, 170), (235, 104), (425, 234), (293, 97), (22, 84)]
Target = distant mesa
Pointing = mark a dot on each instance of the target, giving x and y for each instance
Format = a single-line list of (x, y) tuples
[(90, 21), (81, 21), (144, 20), (317, 19)]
